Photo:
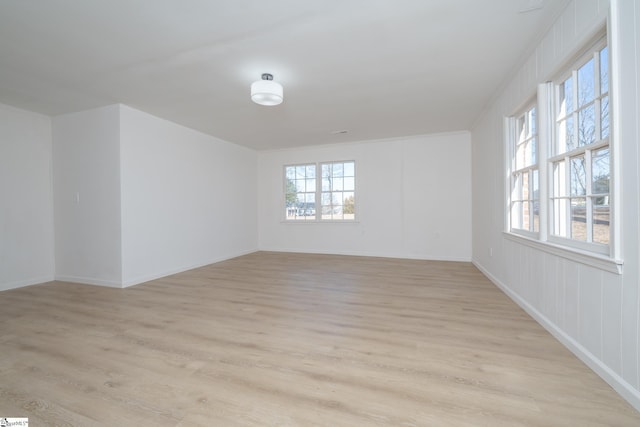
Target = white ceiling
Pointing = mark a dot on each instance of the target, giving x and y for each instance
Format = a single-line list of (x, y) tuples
[(377, 68)]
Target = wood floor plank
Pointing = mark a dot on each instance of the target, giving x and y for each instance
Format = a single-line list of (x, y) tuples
[(293, 340)]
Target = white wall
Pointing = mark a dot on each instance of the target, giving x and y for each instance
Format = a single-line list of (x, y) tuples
[(188, 199), (26, 199), (413, 199), (86, 183), (594, 312)]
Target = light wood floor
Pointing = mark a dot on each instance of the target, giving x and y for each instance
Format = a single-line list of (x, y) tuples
[(293, 340)]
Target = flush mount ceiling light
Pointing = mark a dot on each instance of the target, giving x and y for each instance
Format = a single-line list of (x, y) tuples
[(266, 91)]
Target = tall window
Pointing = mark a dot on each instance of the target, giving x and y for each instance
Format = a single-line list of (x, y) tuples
[(525, 194), (300, 192), (331, 197), (560, 159), (580, 157)]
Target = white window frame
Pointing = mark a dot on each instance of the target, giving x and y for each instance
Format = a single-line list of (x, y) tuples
[(295, 211), (604, 257), (514, 195), (585, 151), (318, 214)]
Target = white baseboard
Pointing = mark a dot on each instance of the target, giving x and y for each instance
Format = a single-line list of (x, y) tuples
[(369, 254), (27, 282), (147, 278), (89, 281), (142, 279), (626, 390)]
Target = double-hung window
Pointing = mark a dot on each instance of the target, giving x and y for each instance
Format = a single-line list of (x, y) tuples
[(560, 159), (580, 156), (320, 191), (525, 194)]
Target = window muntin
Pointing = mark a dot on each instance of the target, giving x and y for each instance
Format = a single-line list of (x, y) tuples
[(525, 194), (580, 160), (327, 185)]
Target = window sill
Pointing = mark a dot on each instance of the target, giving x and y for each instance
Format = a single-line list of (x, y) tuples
[(587, 258)]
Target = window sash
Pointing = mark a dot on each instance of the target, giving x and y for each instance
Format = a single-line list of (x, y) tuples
[(574, 217), (331, 198), (524, 178)]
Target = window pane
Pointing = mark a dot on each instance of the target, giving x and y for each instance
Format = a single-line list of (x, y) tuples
[(525, 186), (604, 117), (516, 190), (516, 215), (566, 97), (338, 169), (520, 156), (521, 129), (560, 207), (301, 172), (311, 171), (290, 172), (536, 215), (349, 205), (579, 219), (578, 176), (336, 211), (586, 90), (535, 204), (566, 136), (586, 126), (561, 143), (600, 172), (604, 70), (534, 148), (338, 184), (527, 153), (310, 185), (526, 215), (326, 170), (326, 205), (559, 187), (349, 184), (532, 122), (571, 134), (310, 200), (601, 219), (326, 183), (349, 169)]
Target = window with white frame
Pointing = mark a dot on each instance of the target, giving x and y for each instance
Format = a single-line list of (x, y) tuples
[(320, 191), (573, 167), (525, 194), (579, 160), (300, 192)]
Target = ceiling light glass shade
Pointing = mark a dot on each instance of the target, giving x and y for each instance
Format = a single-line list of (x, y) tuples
[(266, 91)]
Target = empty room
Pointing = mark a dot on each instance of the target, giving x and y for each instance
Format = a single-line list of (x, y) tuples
[(338, 213)]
